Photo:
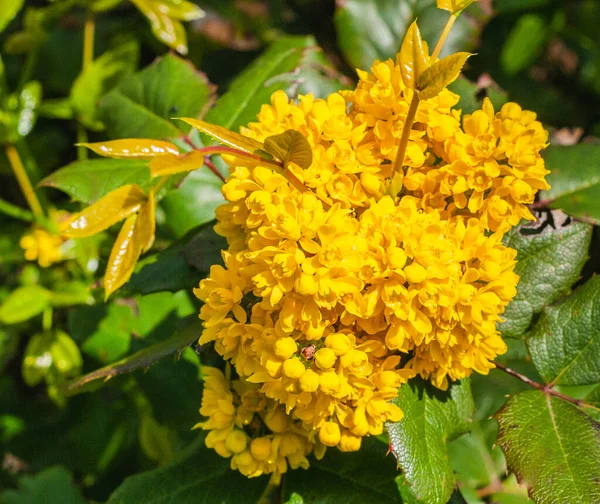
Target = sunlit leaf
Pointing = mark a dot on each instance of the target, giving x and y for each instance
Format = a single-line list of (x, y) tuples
[(291, 146), (147, 223), (413, 57), (169, 165), (433, 80), (24, 303), (123, 256), (168, 30), (454, 6), (225, 136), (109, 210), (185, 11), (10, 8), (136, 148)]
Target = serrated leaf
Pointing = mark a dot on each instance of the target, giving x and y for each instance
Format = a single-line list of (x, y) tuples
[(291, 146), (88, 181), (565, 342), (366, 476), (413, 57), (419, 440), (440, 74), (552, 447), (224, 136), (197, 475), (123, 256), (144, 104), (99, 77), (550, 253), (369, 30), (51, 486), (170, 165), (133, 148), (574, 180), (112, 208), (24, 303)]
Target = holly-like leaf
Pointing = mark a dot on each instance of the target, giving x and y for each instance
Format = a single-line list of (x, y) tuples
[(370, 30), (145, 104), (552, 447), (24, 303), (574, 181), (170, 165), (123, 256), (550, 253), (431, 419), (439, 75), (88, 181), (133, 148), (413, 57), (112, 208), (291, 146), (51, 486), (565, 342), (224, 136)]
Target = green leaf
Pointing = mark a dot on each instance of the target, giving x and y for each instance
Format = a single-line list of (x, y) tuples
[(10, 8), (103, 74), (88, 181), (142, 359), (370, 30), (471, 97), (290, 146), (431, 419), (565, 342), (51, 486), (550, 255), (523, 43), (197, 475), (71, 294), (144, 105), (552, 447), (253, 86), (366, 476), (574, 179), (24, 303)]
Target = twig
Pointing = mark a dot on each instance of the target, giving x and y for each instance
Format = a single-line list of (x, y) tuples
[(545, 388), (24, 183), (210, 165)]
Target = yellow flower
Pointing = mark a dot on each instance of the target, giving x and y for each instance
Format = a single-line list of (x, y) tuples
[(45, 246)]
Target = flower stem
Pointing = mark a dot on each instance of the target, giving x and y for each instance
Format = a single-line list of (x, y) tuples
[(89, 28), (547, 389), (442, 40), (408, 123), (15, 211), (23, 180), (47, 319)]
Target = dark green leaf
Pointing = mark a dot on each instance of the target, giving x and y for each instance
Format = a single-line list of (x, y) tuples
[(87, 181), (142, 359), (51, 486), (290, 146), (103, 74), (197, 475), (565, 342), (366, 476), (551, 253), (552, 447), (431, 419), (370, 30), (24, 303), (574, 180), (524, 43), (501, 6), (144, 105)]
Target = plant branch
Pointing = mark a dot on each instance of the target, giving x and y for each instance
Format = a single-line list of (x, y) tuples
[(24, 183), (408, 123), (442, 40), (545, 388), (89, 28), (14, 211)]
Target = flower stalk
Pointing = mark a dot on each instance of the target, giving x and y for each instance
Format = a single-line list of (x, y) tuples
[(23, 180)]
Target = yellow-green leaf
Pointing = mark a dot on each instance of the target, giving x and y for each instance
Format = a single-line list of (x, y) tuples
[(147, 223), (137, 148), (185, 11), (413, 57), (291, 146), (168, 30), (454, 6), (169, 165), (105, 212), (225, 137), (123, 256), (443, 72), (156, 441)]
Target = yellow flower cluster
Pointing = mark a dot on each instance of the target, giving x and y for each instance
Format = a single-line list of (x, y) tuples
[(331, 299), (42, 245)]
